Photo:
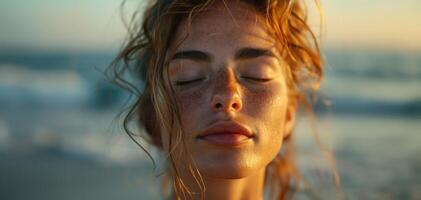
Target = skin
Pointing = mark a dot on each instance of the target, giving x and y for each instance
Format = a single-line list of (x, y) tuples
[(230, 71)]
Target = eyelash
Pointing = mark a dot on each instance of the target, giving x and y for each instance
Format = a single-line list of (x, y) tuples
[(184, 83), (257, 79)]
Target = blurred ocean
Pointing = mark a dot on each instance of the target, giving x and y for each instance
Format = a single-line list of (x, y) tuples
[(60, 138)]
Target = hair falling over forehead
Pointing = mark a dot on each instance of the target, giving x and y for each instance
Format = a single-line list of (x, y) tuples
[(143, 56)]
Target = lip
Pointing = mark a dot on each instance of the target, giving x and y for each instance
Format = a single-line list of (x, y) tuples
[(228, 133)]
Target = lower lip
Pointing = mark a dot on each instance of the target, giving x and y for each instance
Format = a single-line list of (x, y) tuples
[(226, 139)]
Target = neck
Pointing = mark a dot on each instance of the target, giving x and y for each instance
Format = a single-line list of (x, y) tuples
[(246, 188)]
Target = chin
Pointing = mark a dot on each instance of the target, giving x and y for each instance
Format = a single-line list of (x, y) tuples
[(229, 167)]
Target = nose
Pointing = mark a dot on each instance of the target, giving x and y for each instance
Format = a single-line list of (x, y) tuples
[(226, 96)]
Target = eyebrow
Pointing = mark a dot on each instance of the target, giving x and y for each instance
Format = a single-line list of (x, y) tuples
[(244, 53), (249, 53), (193, 55)]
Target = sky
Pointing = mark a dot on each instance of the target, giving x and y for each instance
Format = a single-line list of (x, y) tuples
[(374, 23), (95, 25)]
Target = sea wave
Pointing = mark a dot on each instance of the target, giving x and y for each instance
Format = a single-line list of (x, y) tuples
[(374, 64), (20, 85), (356, 106)]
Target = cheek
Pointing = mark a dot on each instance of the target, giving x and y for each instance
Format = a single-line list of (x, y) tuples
[(191, 102), (268, 108), (267, 104)]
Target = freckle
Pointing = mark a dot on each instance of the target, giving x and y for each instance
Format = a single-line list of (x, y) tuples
[(262, 97), (220, 76), (192, 99)]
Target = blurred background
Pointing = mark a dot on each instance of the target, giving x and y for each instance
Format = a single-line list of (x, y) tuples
[(60, 134)]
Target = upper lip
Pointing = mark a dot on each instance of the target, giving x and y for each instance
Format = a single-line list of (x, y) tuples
[(226, 127)]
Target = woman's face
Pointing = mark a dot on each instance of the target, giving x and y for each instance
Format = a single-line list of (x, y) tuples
[(230, 83)]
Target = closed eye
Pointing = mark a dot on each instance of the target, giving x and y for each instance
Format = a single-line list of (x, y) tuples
[(257, 79), (185, 83)]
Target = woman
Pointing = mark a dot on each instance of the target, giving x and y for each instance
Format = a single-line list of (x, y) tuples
[(223, 81)]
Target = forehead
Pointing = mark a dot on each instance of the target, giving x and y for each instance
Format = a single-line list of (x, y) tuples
[(229, 24)]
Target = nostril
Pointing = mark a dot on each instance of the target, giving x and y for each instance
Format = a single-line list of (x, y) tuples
[(218, 105), (236, 106), (225, 103)]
